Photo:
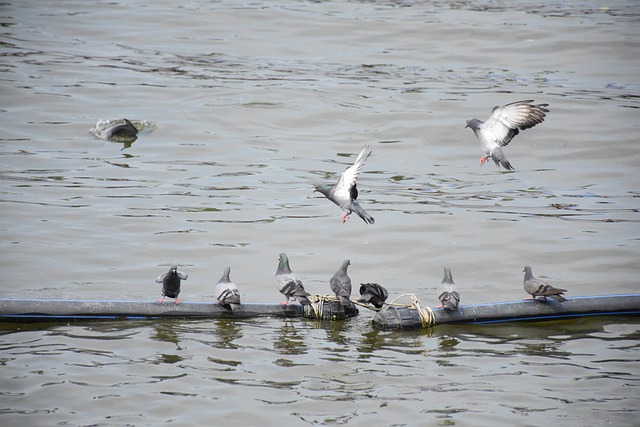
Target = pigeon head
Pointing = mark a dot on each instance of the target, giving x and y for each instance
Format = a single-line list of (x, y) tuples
[(322, 188), (283, 264), (473, 124), (174, 269)]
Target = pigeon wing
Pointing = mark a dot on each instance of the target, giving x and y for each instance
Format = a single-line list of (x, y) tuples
[(344, 188), (507, 121)]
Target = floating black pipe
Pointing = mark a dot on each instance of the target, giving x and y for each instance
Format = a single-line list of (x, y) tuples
[(43, 309), (392, 317)]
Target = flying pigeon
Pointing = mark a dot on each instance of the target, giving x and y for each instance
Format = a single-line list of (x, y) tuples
[(344, 193), (538, 288), (448, 291), (126, 130), (227, 292), (373, 294), (171, 283), (504, 123), (341, 284), (288, 283)]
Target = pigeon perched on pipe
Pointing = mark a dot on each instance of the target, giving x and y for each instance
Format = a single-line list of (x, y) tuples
[(344, 193), (171, 283), (227, 292), (374, 294), (288, 283), (502, 125), (537, 288), (448, 291), (340, 284)]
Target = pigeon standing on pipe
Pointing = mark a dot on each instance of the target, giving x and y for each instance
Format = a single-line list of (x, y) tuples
[(373, 294), (340, 284), (171, 283), (537, 288), (227, 292), (448, 291), (344, 193), (288, 283), (504, 123)]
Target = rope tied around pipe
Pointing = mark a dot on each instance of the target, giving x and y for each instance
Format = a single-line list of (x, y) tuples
[(427, 316), (316, 308)]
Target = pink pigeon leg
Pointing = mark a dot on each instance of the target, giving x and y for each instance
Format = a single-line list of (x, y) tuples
[(345, 216), (483, 160), (162, 300)]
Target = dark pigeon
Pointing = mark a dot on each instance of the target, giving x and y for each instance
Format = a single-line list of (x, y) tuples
[(344, 193), (122, 130), (448, 291), (171, 283), (227, 292), (537, 288), (288, 283), (374, 294), (341, 284), (504, 123)]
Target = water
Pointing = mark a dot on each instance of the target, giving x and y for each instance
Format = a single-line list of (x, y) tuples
[(249, 105)]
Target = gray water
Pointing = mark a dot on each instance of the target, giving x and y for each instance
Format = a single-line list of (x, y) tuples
[(245, 107)]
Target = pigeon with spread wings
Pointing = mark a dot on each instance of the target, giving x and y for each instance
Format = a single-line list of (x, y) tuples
[(504, 123), (344, 193)]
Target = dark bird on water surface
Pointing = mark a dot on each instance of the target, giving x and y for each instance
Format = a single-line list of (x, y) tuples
[(121, 130)]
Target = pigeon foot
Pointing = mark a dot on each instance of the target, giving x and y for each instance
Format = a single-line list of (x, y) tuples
[(284, 303), (161, 300), (177, 301), (483, 160), (345, 217)]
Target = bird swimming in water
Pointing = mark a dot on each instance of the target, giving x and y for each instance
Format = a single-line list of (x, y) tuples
[(121, 130)]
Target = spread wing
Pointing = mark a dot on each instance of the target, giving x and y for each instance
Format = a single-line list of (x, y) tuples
[(507, 121), (344, 189)]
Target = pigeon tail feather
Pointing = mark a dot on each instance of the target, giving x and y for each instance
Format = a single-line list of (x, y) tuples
[(499, 158), (362, 213)]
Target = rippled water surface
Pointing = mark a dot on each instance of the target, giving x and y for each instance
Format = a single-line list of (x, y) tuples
[(245, 106)]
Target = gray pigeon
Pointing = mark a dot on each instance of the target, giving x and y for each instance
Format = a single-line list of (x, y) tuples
[(126, 130), (373, 294), (504, 123), (538, 288), (448, 291), (341, 284), (171, 283), (288, 283), (344, 193), (227, 292)]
